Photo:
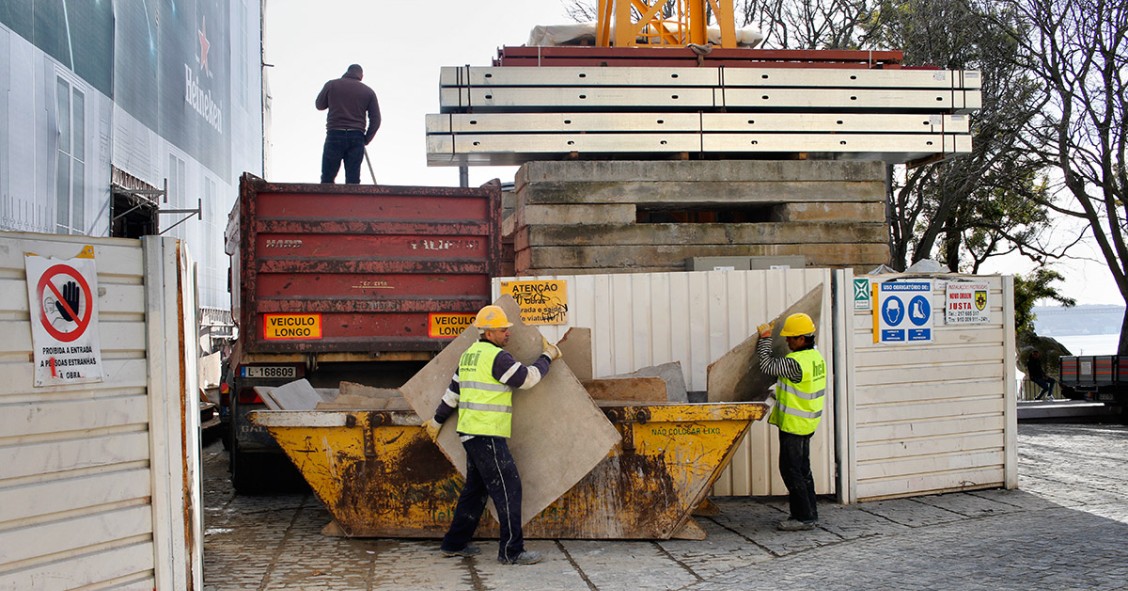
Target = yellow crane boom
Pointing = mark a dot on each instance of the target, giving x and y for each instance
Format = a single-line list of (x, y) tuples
[(616, 23)]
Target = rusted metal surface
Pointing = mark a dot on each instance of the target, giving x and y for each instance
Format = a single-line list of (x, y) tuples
[(371, 261), (686, 57), (379, 474)]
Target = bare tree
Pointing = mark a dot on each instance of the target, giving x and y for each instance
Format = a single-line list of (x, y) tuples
[(1078, 49)]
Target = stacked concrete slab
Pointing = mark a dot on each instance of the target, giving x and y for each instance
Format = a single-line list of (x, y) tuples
[(582, 217)]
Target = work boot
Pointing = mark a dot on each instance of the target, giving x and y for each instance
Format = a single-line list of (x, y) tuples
[(468, 550), (526, 557), (796, 525)]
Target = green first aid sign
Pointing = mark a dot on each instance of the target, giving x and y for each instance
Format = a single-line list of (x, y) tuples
[(863, 300)]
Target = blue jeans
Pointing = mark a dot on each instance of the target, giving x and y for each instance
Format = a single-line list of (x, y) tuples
[(346, 145)]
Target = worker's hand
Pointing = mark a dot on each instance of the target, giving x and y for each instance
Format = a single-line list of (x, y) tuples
[(432, 427), (552, 351), (765, 330)]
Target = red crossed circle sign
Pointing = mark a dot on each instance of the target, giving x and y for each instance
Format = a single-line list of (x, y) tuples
[(81, 322)]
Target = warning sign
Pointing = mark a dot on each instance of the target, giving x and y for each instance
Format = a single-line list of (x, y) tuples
[(541, 302), (291, 326), (447, 326), (966, 303), (64, 319)]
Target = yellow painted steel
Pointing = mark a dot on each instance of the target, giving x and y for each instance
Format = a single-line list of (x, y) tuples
[(379, 474), (645, 23)]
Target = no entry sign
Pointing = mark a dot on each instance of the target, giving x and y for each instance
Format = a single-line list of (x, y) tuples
[(63, 301)]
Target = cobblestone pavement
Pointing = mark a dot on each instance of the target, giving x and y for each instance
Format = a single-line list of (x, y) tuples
[(1065, 528)]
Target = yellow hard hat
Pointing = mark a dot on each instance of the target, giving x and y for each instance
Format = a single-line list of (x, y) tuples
[(797, 325), (492, 317)]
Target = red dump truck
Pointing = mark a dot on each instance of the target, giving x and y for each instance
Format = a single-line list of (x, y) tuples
[(355, 283)]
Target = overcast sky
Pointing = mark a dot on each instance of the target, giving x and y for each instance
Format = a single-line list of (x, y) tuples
[(402, 44)]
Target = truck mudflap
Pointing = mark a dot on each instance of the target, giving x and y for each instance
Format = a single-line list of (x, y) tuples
[(379, 475)]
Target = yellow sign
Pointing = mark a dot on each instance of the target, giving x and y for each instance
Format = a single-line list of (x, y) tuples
[(447, 326), (541, 302), (291, 326)]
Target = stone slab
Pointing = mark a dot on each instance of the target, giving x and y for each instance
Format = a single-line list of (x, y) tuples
[(575, 348), (736, 377), (559, 434)]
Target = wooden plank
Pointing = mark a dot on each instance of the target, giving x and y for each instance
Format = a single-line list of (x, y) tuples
[(866, 415), (113, 298), (34, 501), (934, 354), (965, 479), (113, 256), (627, 389)]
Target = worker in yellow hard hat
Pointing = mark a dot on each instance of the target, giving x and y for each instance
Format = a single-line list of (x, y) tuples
[(800, 391), (482, 392)]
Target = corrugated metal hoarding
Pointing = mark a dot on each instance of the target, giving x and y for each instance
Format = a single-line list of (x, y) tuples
[(930, 409), (98, 482)]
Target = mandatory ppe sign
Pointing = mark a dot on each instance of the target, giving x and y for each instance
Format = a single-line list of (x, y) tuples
[(64, 318), (291, 326)]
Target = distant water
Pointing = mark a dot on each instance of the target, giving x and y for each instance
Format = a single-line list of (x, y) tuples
[(1090, 344)]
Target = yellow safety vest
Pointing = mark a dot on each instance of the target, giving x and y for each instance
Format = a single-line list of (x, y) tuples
[(799, 405), (485, 405)]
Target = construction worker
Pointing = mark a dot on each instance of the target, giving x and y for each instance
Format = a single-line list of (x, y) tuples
[(348, 101), (482, 391), (800, 391)]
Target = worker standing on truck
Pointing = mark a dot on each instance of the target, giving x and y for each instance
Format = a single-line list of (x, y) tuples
[(800, 391), (482, 391), (348, 101)]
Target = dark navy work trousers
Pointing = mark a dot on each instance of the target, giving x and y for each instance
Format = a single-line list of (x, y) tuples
[(795, 468), (345, 145), (490, 473)]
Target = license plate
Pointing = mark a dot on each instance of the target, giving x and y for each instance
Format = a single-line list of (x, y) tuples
[(283, 371)]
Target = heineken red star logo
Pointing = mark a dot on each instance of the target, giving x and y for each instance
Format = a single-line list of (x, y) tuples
[(203, 32)]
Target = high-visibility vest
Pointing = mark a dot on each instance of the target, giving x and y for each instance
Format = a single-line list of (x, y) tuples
[(799, 405), (485, 405)]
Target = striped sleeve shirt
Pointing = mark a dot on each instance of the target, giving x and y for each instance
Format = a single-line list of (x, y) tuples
[(506, 370), (784, 367)]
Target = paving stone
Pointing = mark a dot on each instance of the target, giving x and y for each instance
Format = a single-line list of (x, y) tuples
[(1064, 528)]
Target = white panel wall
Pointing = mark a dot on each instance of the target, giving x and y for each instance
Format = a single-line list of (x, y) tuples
[(97, 481), (643, 319), (930, 417)]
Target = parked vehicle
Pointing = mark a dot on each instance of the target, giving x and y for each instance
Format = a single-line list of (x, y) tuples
[(1102, 378), (356, 283)]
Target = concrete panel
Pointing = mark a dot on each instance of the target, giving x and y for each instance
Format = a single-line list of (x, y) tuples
[(692, 235), (578, 214), (734, 171)]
